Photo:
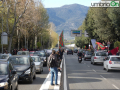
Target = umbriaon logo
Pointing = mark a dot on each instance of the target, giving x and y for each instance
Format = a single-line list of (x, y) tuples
[(105, 4)]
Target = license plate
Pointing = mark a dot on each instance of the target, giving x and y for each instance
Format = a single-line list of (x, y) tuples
[(116, 62)]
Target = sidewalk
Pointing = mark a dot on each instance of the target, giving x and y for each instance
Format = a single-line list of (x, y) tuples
[(46, 85)]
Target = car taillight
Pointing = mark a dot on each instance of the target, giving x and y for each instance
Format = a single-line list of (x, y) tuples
[(95, 57), (110, 62), (79, 57)]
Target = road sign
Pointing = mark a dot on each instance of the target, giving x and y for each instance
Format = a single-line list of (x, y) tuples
[(76, 33), (4, 38), (86, 34)]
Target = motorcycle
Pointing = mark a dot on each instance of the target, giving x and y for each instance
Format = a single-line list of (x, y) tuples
[(79, 59)]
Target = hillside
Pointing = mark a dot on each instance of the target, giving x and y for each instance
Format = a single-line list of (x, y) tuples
[(67, 17)]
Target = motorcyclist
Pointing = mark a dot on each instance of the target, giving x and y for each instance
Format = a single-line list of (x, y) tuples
[(80, 55)]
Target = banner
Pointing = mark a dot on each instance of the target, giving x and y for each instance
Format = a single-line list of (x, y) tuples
[(93, 41)]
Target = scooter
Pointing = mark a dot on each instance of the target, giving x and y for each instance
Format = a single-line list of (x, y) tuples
[(79, 59)]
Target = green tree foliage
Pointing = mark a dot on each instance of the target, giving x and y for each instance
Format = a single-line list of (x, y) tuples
[(101, 24), (117, 44)]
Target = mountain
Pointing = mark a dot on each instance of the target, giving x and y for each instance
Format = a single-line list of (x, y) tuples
[(67, 18)]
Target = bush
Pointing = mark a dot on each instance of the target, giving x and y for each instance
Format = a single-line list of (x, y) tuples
[(117, 44)]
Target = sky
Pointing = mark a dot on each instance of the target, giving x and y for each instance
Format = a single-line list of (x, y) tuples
[(59, 3)]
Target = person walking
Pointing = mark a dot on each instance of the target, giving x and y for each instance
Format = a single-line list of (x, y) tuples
[(53, 65), (58, 60)]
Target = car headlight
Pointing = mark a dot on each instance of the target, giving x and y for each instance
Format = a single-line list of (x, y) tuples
[(27, 72), (45, 60), (4, 84)]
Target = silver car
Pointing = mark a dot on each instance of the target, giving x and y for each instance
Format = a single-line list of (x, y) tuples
[(38, 63), (87, 55), (98, 57), (4, 57)]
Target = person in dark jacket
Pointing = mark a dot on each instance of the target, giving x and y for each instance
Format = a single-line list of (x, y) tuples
[(54, 69), (118, 53)]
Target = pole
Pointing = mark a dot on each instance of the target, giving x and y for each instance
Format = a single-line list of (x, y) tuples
[(25, 36), (2, 31)]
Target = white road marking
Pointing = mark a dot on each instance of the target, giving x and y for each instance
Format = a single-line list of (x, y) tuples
[(115, 86), (94, 70), (88, 66), (65, 81), (103, 77), (44, 85)]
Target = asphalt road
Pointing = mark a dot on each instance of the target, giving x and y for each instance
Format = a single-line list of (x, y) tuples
[(85, 76), (36, 83)]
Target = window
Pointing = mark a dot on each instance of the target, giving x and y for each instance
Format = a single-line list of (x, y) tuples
[(3, 69), (101, 54), (115, 58)]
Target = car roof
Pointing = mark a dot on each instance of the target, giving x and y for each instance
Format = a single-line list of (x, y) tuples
[(3, 62), (20, 56), (34, 56)]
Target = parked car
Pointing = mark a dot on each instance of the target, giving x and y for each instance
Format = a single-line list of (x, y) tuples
[(43, 56), (87, 55), (75, 50), (98, 57), (24, 66), (23, 53), (38, 63), (4, 57), (8, 77), (111, 63), (69, 51)]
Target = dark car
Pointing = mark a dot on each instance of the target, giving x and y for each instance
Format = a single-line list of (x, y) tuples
[(69, 51), (8, 77), (75, 50), (24, 66)]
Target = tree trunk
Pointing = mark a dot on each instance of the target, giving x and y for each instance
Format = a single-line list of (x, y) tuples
[(35, 41)]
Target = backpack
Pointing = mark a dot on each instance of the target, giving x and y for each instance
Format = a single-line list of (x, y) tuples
[(52, 63)]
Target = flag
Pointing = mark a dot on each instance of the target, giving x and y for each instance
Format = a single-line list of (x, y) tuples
[(100, 45), (61, 43)]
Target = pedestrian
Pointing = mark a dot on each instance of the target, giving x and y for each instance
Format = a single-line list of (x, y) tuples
[(118, 53), (58, 59), (53, 65)]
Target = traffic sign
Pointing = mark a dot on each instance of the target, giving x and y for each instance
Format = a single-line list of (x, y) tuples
[(76, 33), (4, 38), (86, 34)]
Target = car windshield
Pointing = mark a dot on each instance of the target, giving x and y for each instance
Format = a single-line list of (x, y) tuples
[(89, 53), (3, 69), (36, 59), (42, 54), (19, 60), (4, 56), (101, 54), (22, 53), (115, 58)]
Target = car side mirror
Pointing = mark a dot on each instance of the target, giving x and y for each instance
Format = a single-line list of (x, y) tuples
[(13, 72)]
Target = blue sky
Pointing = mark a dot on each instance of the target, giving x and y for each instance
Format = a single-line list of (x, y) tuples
[(59, 3)]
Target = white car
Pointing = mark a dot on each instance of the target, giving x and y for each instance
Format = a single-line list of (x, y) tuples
[(38, 63), (112, 62)]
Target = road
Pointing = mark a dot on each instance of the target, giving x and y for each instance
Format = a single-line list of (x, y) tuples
[(80, 76), (85, 76)]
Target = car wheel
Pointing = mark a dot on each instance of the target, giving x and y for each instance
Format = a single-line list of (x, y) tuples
[(17, 86), (93, 63), (103, 68), (31, 80), (34, 76)]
